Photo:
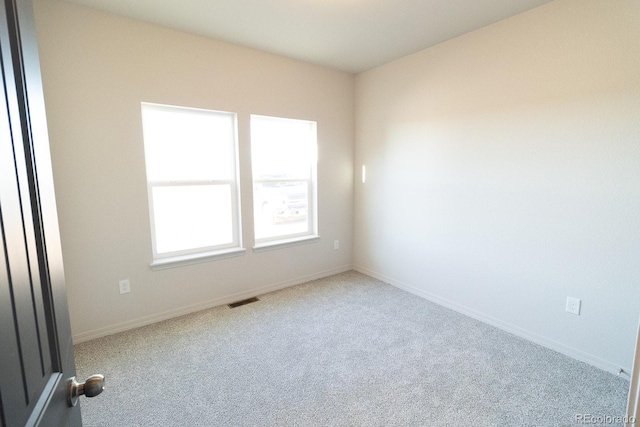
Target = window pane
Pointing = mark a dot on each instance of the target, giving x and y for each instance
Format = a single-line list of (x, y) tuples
[(282, 148), (188, 144), (281, 208), (192, 179), (188, 217), (283, 156)]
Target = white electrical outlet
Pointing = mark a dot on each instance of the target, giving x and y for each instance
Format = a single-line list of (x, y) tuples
[(336, 244), (573, 305), (125, 286)]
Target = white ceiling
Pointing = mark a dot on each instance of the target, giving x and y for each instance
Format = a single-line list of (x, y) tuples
[(350, 35)]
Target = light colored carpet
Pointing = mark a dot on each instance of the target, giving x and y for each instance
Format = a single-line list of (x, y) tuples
[(346, 350)]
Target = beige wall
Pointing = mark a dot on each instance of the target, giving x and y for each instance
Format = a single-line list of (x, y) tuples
[(97, 68), (503, 175)]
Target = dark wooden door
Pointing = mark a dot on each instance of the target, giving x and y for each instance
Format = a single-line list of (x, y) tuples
[(36, 357)]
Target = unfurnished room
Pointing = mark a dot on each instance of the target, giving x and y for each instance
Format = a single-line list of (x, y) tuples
[(320, 213)]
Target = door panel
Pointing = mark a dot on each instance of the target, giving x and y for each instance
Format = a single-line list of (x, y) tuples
[(36, 356)]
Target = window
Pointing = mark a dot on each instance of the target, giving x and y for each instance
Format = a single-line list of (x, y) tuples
[(192, 181), (283, 156)]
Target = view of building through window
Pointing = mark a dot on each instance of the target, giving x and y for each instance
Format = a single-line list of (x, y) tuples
[(283, 156)]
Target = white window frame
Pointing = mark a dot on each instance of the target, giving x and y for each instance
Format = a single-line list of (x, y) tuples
[(200, 254), (311, 234)]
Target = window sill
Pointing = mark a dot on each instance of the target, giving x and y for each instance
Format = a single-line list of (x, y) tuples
[(180, 261), (279, 244)]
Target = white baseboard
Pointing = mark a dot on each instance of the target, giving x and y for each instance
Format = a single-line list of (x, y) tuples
[(147, 320), (505, 326)]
